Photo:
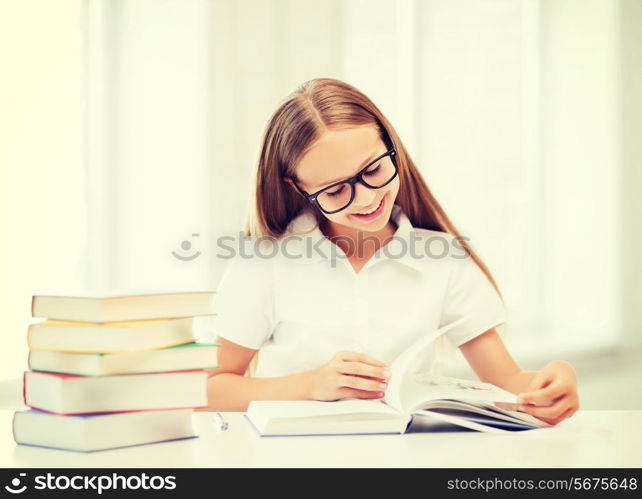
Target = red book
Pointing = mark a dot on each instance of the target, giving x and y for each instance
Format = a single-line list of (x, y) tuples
[(70, 394)]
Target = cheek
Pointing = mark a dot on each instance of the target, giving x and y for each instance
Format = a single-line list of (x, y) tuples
[(394, 188), (391, 191), (337, 218)]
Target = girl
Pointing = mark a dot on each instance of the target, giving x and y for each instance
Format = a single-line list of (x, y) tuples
[(353, 259)]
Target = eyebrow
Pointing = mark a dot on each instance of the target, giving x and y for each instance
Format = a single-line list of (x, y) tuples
[(363, 164)]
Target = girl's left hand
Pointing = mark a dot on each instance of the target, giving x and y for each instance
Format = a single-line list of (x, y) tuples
[(554, 390)]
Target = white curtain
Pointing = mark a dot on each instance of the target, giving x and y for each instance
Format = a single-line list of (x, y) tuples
[(510, 108)]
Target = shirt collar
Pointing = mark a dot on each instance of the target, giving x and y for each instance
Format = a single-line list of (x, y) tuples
[(305, 243)]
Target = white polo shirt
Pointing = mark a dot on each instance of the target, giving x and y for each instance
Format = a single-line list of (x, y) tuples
[(300, 301)]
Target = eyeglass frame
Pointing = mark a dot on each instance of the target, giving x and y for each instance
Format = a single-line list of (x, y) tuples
[(312, 198)]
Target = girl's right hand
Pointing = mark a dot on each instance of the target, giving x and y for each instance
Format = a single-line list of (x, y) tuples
[(349, 375)]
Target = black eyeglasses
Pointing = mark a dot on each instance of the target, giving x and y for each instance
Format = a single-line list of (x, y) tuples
[(338, 196)]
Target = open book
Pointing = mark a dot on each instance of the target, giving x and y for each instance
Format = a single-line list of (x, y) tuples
[(414, 401)]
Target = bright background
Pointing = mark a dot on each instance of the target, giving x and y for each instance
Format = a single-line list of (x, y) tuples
[(128, 126)]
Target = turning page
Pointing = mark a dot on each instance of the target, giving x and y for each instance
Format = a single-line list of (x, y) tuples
[(408, 361)]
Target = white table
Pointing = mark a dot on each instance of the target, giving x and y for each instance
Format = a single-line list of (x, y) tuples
[(588, 439)]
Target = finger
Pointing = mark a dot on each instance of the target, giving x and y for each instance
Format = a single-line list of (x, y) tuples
[(548, 413), (360, 394), (545, 395), (559, 418), (565, 415), (361, 369), (361, 383), (361, 357), (540, 380)]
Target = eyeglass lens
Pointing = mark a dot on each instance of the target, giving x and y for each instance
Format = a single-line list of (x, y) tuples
[(340, 196)]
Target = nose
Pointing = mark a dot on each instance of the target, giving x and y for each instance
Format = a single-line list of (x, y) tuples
[(363, 196)]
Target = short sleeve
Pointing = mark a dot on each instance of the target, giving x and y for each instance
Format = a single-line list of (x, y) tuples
[(244, 301), (470, 294)]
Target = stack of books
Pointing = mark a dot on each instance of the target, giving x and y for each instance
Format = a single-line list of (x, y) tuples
[(114, 370)]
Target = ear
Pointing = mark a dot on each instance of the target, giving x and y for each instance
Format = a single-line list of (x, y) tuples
[(288, 180)]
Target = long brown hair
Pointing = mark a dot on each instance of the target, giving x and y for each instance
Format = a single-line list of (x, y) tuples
[(301, 118)]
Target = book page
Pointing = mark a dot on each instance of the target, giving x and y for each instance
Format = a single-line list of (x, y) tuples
[(409, 360), (464, 422), (420, 388)]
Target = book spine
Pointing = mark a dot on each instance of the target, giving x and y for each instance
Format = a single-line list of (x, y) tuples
[(157, 374), (29, 334), (13, 427), (48, 411), (179, 372), (59, 375), (24, 387)]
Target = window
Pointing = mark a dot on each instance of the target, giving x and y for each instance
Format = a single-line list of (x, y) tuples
[(141, 145)]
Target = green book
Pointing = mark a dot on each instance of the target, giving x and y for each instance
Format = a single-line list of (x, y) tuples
[(185, 357)]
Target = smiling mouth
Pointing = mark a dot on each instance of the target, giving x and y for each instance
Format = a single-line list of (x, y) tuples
[(372, 210), (375, 212)]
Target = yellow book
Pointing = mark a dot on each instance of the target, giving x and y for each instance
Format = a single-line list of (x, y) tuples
[(88, 337)]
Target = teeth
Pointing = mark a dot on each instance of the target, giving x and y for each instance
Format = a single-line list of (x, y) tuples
[(371, 211)]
